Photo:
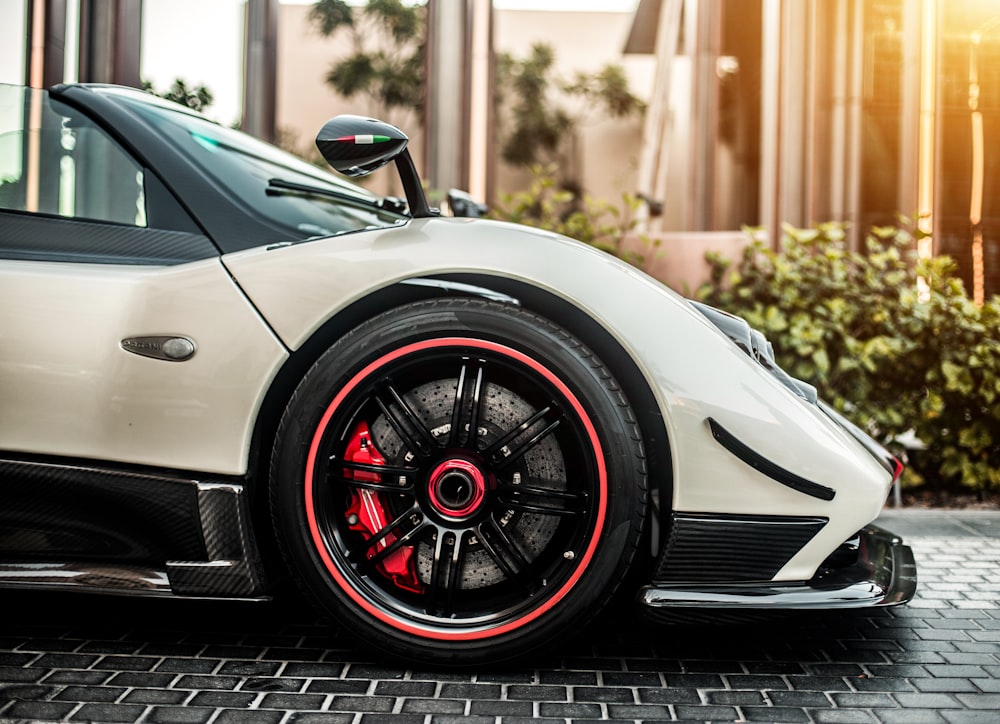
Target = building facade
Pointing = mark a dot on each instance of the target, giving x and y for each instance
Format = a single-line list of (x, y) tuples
[(804, 111)]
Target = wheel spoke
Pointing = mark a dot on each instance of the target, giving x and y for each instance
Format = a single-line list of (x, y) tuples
[(449, 552), (500, 453), (506, 554), (397, 473), (542, 500), (404, 420), (467, 395), (397, 528)]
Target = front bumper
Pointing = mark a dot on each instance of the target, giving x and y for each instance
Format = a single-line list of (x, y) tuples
[(882, 574)]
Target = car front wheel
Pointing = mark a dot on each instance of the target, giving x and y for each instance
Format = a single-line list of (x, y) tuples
[(458, 481)]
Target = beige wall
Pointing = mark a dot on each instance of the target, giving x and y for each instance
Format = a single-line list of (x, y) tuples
[(582, 41), (306, 102)]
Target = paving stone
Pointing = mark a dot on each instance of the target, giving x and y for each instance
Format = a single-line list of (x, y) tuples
[(881, 683), (126, 663), (71, 676), (294, 702), (470, 691), (25, 692), (306, 670), (862, 701), (13, 675), (156, 696), (179, 715), (748, 681), (713, 713), (37, 710), (396, 718), (570, 711), (423, 689), (223, 699), (979, 701), (380, 704), (432, 706), (969, 717), (249, 668), (908, 716), (804, 699), (108, 713), (695, 681), (307, 717), (989, 686), (844, 716), (282, 684), (64, 661), (638, 712), (243, 716), (90, 693), (538, 693), (141, 679), (937, 660), (207, 682), (774, 714), (583, 678), (617, 695), (946, 684), (927, 701), (735, 698), (501, 708), (188, 666)]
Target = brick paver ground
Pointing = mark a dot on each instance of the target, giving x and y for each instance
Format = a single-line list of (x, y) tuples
[(88, 658)]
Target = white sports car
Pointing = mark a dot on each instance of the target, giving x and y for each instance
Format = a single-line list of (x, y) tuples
[(221, 367)]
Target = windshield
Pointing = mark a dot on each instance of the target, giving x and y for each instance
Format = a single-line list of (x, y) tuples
[(245, 167)]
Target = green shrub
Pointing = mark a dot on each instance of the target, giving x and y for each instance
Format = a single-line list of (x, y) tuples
[(892, 341), (545, 205)]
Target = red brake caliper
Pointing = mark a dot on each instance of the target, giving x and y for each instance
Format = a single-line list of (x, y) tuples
[(367, 514)]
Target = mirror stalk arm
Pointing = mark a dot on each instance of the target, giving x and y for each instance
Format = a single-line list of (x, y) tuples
[(415, 198)]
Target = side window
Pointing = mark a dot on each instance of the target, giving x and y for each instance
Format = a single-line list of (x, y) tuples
[(55, 161)]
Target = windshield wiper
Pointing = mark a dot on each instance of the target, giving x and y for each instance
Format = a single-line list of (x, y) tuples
[(277, 186)]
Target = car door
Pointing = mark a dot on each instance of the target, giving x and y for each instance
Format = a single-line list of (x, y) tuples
[(122, 336)]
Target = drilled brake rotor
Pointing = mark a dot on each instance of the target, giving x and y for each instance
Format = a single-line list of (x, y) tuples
[(543, 466)]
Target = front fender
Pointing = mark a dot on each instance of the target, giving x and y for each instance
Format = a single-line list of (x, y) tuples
[(695, 372)]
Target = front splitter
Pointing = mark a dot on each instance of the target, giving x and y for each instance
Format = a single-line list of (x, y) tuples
[(884, 574)]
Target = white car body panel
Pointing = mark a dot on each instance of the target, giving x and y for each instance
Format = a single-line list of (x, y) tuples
[(694, 371), (136, 463), (70, 389)]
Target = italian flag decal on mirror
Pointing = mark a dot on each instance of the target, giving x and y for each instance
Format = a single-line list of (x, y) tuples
[(363, 140)]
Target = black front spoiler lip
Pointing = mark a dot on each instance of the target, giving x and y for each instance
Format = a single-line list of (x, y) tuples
[(884, 574)]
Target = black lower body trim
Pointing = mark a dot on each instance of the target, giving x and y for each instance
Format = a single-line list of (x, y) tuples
[(74, 525), (884, 574), (714, 547)]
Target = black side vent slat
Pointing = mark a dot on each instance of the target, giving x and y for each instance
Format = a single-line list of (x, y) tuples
[(728, 548), (772, 470)]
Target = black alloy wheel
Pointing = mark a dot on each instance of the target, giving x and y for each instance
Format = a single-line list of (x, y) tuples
[(458, 481)]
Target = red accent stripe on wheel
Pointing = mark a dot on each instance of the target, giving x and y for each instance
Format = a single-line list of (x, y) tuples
[(409, 626)]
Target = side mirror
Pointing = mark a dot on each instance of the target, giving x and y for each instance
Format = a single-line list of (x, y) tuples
[(356, 146), (462, 204)]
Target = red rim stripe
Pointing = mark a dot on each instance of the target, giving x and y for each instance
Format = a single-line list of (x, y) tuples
[(408, 626)]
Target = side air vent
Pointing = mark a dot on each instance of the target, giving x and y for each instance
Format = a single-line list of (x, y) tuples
[(729, 548)]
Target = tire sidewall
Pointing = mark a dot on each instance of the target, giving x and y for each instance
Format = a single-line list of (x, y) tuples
[(544, 343)]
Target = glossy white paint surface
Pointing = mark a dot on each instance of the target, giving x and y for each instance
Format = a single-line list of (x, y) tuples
[(694, 371), (68, 388)]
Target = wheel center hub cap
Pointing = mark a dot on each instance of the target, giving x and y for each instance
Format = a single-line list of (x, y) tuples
[(457, 488)]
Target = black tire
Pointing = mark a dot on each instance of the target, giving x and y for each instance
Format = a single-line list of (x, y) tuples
[(458, 481)]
